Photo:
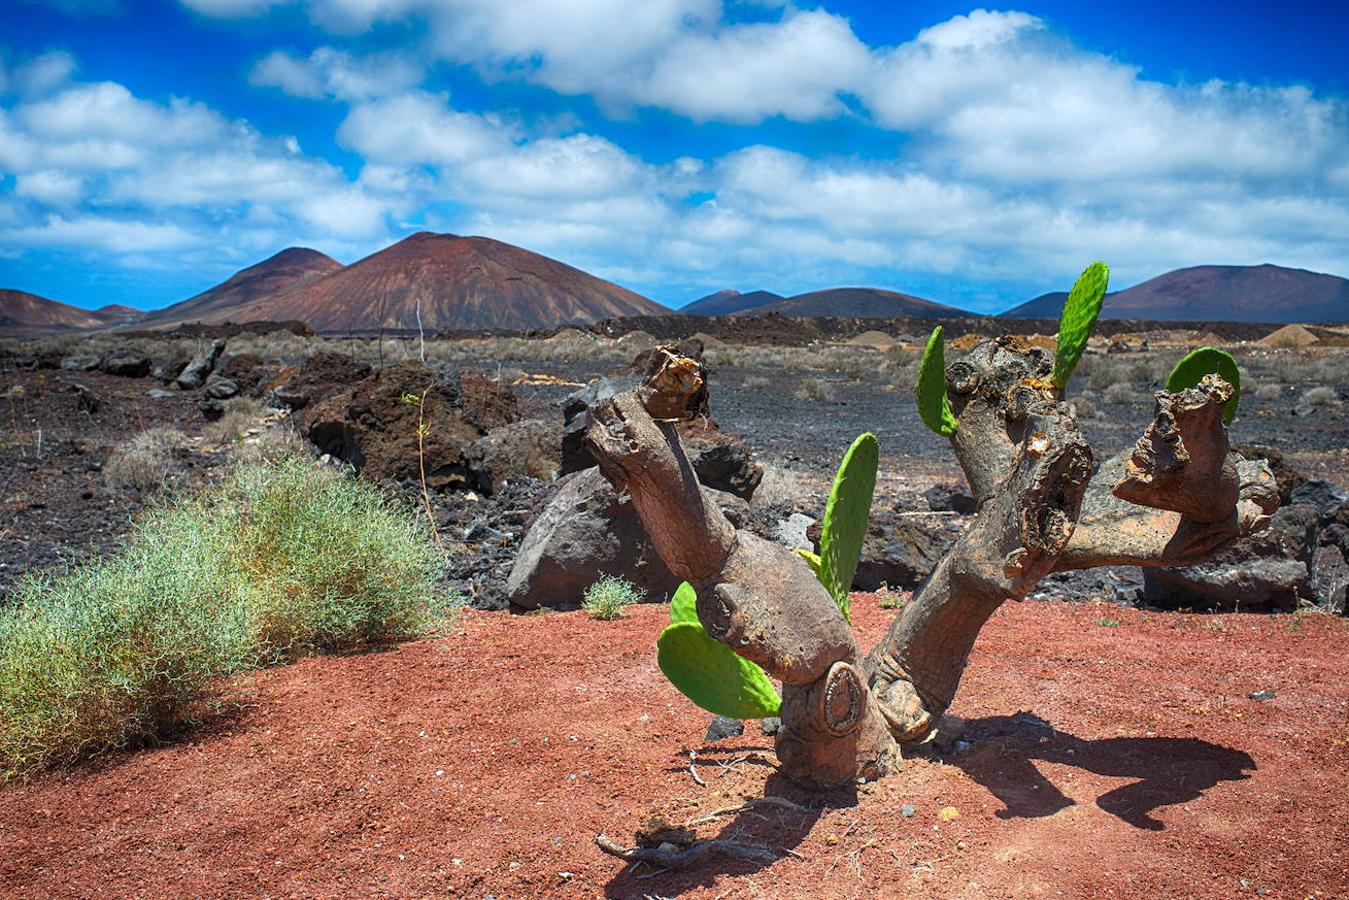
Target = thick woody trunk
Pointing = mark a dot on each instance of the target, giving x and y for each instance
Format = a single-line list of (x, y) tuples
[(1175, 499)]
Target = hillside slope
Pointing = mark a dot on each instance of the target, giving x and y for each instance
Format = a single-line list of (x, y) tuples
[(451, 282), (25, 315), (1264, 293), (857, 302), (724, 303), (292, 267)]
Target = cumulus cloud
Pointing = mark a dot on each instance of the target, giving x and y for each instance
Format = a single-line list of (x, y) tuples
[(334, 73), (98, 168)]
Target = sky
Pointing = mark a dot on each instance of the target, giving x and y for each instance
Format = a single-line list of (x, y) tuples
[(978, 157)]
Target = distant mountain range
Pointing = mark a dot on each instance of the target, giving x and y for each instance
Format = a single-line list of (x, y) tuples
[(848, 302), (724, 303), (291, 268), (24, 315), (473, 283), (1216, 293)]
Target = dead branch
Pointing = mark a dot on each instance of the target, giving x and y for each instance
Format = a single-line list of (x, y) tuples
[(669, 856)]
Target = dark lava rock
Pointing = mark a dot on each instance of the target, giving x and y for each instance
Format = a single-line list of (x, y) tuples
[(322, 375), (167, 370), (486, 402), (588, 529), (1262, 696), (84, 362), (194, 375), (220, 388), (770, 726), (1326, 497), (247, 370), (126, 363), (86, 400), (575, 455), (211, 410), (373, 427), (1113, 584), (899, 551), (1330, 580), (518, 450), (723, 727), (726, 467), (947, 496)]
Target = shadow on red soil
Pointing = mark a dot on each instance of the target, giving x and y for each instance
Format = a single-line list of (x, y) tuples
[(487, 762)]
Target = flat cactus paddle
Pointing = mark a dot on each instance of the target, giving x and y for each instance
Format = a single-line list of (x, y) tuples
[(1205, 361), (845, 520), (930, 388), (1079, 320), (713, 676)]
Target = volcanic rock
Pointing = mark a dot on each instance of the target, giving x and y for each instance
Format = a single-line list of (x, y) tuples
[(126, 363), (83, 362), (194, 375)]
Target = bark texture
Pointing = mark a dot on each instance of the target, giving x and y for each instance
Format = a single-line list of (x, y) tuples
[(1044, 505)]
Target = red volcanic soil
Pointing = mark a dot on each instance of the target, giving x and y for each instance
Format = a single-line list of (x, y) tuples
[(1106, 760), (458, 282), (292, 267), (23, 314)]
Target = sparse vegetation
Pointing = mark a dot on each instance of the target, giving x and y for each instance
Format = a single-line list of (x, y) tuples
[(1320, 396), (279, 561), (143, 462), (815, 389), (241, 414), (609, 597), (1119, 392)]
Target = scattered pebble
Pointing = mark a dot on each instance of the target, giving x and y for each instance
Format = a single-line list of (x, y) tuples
[(907, 810)]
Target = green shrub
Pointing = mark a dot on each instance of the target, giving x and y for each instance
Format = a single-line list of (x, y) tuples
[(609, 596), (281, 560)]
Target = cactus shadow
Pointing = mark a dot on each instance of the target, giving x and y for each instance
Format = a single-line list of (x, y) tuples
[(779, 829), (1167, 770)]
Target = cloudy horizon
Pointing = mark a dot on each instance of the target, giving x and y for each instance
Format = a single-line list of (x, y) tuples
[(676, 147)]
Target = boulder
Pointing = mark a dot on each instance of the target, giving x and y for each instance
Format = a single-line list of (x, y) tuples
[(575, 455), (1286, 475), (518, 450), (725, 466), (1330, 580), (948, 496), (1268, 571), (247, 370), (168, 369), (373, 427), (219, 387), (487, 402), (194, 375), (126, 363), (321, 376), (899, 551), (587, 530), (83, 362), (1326, 497)]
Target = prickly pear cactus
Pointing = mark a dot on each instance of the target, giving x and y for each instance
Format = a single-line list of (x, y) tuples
[(1079, 320), (713, 675), (845, 519), (708, 672), (1204, 361), (930, 388)]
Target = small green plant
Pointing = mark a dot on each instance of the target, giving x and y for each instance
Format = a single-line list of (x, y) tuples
[(1080, 312), (1205, 361), (608, 597), (930, 387), (282, 559), (1108, 623), (889, 598)]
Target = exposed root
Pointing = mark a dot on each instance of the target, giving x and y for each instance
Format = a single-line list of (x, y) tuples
[(669, 856)]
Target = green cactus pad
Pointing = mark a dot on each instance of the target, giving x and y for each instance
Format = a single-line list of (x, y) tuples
[(930, 388), (812, 560), (713, 676), (684, 605), (845, 519), (1204, 361), (1079, 320)]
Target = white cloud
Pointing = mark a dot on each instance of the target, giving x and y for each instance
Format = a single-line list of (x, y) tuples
[(335, 73), (420, 128), (50, 186), (98, 233), (44, 72)]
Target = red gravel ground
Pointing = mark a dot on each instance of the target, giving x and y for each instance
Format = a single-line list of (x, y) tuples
[(1114, 753)]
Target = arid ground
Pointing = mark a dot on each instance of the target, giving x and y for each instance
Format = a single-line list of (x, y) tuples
[(1111, 753)]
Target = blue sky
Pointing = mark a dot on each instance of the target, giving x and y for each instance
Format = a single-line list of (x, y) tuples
[(977, 157)]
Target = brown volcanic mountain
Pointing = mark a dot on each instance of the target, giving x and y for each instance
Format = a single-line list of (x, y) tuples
[(292, 267), (24, 315), (727, 302), (1225, 293), (458, 282), (856, 301)]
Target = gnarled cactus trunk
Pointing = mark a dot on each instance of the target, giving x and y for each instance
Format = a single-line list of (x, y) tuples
[(1043, 506)]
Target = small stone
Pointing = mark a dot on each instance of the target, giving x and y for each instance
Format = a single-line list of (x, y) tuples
[(770, 726), (723, 727), (948, 814), (832, 840), (908, 810), (1262, 696)]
